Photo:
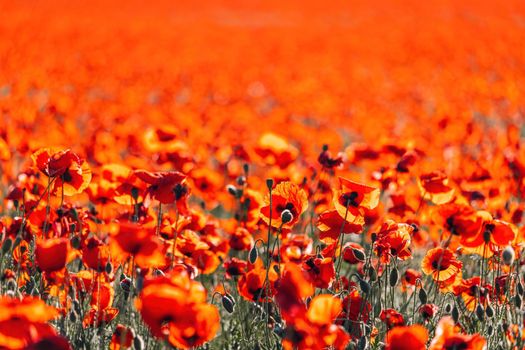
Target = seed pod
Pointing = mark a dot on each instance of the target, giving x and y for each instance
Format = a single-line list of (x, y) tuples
[(75, 242), (269, 184), (286, 216), (252, 256), (486, 236), (394, 277), (372, 273), (455, 314), (228, 303), (490, 330), (108, 268), (423, 297), (489, 311), (480, 313), (7, 245)]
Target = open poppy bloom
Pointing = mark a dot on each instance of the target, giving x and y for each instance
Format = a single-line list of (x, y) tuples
[(69, 172), (165, 186), (353, 199), (472, 291), (391, 318), (275, 150), (175, 309), (330, 223), (434, 187), (412, 337), (52, 254), (23, 323), (293, 288), (140, 242), (285, 196), (441, 263), (393, 240), (122, 338), (316, 330), (252, 286), (448, 338)]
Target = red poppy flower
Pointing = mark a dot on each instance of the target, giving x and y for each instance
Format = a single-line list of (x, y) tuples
[(434, 187), (285, 196), (441, 263), (69, 171), (392, 318), (52, 254), (165, 186), (412, 337), (393, 240), (122, 338), (140, 242), (353, 199), (330, 223), (447, 338)]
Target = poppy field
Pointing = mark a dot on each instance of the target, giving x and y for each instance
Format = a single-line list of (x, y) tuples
[(262, 175)]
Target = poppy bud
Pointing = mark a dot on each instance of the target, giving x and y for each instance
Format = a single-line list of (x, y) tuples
[(377, 309), (6, 246), (286, 216), (138, 342), (448, 308), (508, 255), (252, 256), (489, 311), (269, 184), (11, 284), (135, 193), (423, 297), (228, 303), (486, 236), (108, 268), (140, 282), (75, 242), (373, 237), (307, 301), (519, 287), (364, 285), (362, 343), (232, 190), (359, 254), (480, 313), (125, 284), (517, 301), (455, 314), (246, 168), (76, 306), (490, 330), (241, 180), (394, 277), (17, 241), (73, 316), (372, 273)]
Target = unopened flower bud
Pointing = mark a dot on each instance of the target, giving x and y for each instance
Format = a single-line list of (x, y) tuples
[(508, 255)]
